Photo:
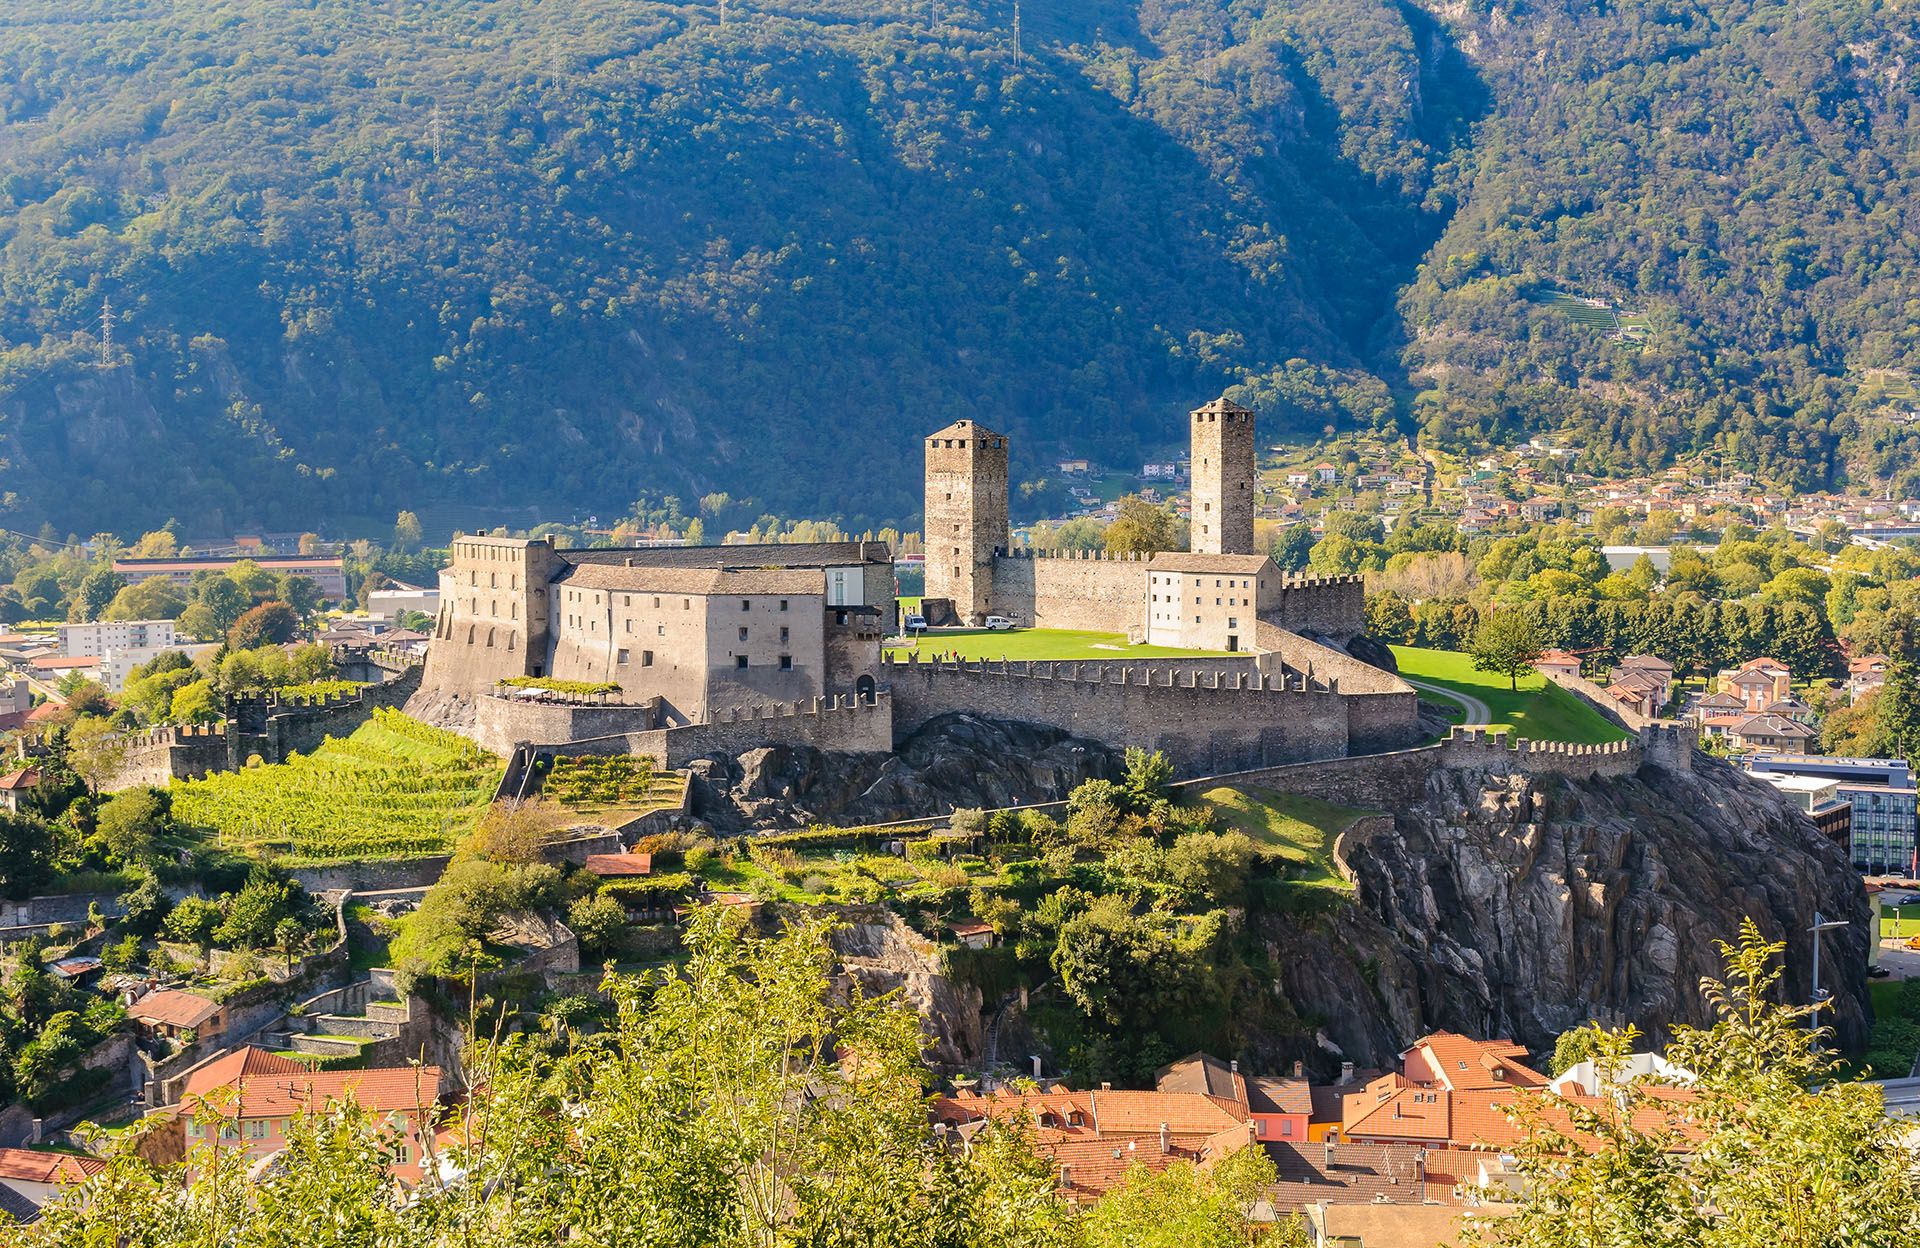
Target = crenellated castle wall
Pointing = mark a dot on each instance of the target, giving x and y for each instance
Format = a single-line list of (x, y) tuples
[(1087, 591), (1205, 721)]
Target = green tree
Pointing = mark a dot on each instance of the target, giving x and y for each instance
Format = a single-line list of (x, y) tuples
[(302, 593), (95, 593), (26, 852), (155, 598), (406, 532), (1149, 773), (132, 822), (1293, 548), (1184, 1206), (1141, 528), (1506, 643), (196, 703), (95, 751), (269, 624), (224, 601)]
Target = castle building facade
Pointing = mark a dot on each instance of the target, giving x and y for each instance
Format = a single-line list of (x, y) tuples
[(703, 629)]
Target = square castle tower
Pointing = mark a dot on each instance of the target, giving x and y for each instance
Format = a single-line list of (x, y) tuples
[(966, 519), (1223, 471)]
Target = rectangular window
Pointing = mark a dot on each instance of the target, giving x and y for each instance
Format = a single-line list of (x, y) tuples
[(621, 657), (660, 630), (646, 658), (257, 1128), (743, 634), (786, 662), (740, 660), (745, 605), (783, 635), (783, 604), (656, 600)]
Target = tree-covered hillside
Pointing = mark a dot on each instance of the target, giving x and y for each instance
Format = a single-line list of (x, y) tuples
[(369, 253)]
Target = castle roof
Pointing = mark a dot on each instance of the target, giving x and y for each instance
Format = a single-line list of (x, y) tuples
[(703, 581), (965, 429), (1223, 406), (1189, 561)]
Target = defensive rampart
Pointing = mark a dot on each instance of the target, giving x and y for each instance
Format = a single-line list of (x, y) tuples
[(1329, 606), (1205, 722)]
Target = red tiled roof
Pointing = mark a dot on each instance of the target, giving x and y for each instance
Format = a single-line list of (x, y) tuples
[(175, 1008), (620, 864), (243, 1062), (388, 1089), (30, 1165), (25, 778), (59, 663), (1202, 1073), (1464, 1063)]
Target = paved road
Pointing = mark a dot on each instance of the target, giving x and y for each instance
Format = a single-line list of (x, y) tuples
[(1478, 712)]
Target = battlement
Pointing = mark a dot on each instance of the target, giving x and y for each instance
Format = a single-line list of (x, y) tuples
[(1091, 556), (1315, 580), (817, 705), (1664, 745), (1144, 676)]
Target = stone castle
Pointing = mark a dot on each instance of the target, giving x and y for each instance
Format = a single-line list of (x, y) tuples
[(729, 647)]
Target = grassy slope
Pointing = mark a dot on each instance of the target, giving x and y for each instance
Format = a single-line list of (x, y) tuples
[(1300, 830), (1539, 710), (1038, 643)]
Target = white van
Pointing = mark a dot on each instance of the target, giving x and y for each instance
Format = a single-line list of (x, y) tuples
[(999, 624)]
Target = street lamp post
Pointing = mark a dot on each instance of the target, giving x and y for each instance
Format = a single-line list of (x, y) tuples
[(1820, 924)]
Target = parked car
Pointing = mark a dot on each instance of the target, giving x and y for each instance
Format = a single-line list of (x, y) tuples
[(916, 623), (999, 624)]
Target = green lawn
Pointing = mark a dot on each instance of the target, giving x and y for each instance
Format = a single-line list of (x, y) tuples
[(1538, 709), (1900, 922), (1036, 643), (1298, 829)]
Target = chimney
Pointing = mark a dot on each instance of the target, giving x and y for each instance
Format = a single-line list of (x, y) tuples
[(1106, 1087), (1166, 1139), (1233, 1067), (1066, 1176), (1299, 1070), (1346, 1073), (1329, 1162)]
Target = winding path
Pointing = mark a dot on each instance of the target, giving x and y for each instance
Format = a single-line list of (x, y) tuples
[(1478, 712)]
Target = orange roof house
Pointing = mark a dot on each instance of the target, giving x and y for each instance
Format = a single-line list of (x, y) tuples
[(249, 1097), (170, 1012), (1094, 1138), (619, 866)]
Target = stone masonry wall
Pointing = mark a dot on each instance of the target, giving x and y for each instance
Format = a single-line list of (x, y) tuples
[(1206, 723), (1087, 592), (1332, 606), (1382, 710)]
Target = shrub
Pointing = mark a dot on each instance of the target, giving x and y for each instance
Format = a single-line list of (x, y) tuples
[(967, 821), (596, 920)]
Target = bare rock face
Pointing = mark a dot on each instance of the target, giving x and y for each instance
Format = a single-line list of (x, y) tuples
[(954, 760), (884, 955), (1516, 906)]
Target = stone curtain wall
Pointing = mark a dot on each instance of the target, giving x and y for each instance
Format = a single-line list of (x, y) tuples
[(1332, 606), (1611, 709), (839, 723), (1383, 711), (1205, 722), (1089, 592)]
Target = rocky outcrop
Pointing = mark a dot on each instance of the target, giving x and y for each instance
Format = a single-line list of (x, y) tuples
[(953, 760), (883, 955), (1521, 906)]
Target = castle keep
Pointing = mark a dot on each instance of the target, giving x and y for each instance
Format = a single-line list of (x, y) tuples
[(732, 647)]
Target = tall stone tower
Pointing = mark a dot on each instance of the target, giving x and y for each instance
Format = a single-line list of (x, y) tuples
[(1222, 520), (966, 515)]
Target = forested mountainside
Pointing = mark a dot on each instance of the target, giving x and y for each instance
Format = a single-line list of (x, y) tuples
[(357, 254)]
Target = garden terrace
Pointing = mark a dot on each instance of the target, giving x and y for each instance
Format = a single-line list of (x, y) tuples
[(394, 788)]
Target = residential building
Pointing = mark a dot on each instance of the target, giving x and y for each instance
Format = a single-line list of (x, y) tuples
[(329, 572), (1865, 674), (249, 1098), (1881, 796), (1639, 693), (17, 786), (98, 638), (38, 1178), (1093, 1138), (1771, 732), (622, 866), (1757, 683), (1280, 1108), (397, 599), (170, 1014), (1552, 663), (1648, 671)]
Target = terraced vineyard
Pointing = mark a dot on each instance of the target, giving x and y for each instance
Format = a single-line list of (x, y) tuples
[(395, 788)]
